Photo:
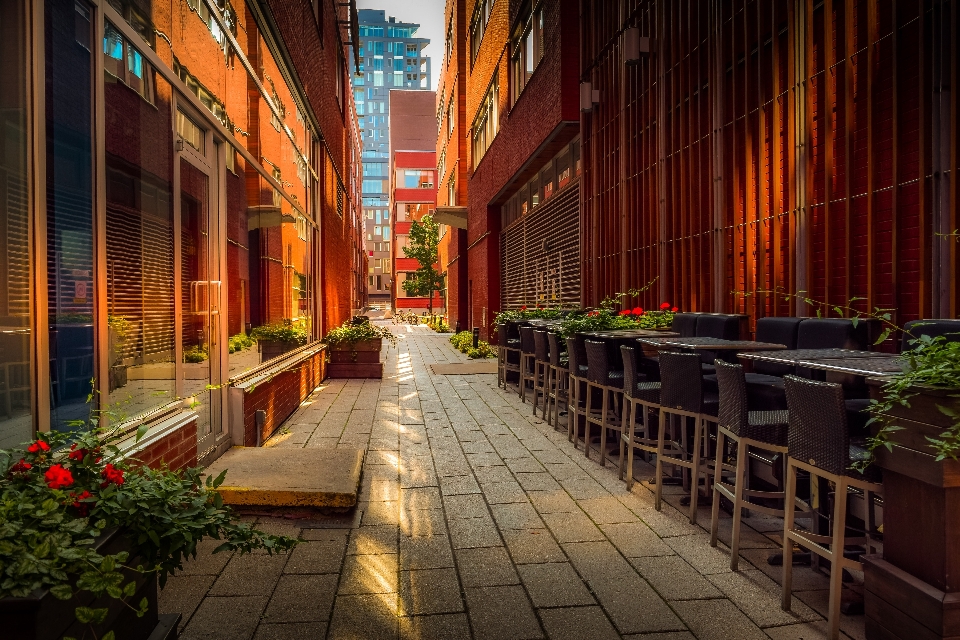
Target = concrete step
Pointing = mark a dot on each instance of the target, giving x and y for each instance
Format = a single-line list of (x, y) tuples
[(282, 477)]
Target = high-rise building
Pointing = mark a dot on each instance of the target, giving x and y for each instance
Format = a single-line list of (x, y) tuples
[(390, 57)]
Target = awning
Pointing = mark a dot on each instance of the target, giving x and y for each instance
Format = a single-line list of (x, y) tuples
[(451, 216)]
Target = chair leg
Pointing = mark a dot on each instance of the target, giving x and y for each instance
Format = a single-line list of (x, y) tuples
[(658, 493), (698, 438), (626, 429), (573, 411), (603, 428), (718, 478), (586, 422), (836, 558), (789, 506), (741, 480)]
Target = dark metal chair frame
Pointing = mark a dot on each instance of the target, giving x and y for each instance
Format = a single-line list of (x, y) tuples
[(681, 396), (558, 382), (578, 382), (639, 399), (764, 430), (504, 353), (541, 370), (527, 360), (818, 443)]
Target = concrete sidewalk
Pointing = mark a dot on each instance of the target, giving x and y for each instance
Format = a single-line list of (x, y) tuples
[(477, 520)]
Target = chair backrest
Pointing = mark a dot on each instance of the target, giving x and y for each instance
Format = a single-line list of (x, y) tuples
[(778, 331), (833, 333), (598, 364), (818, 424), (527, 344), (950, 329), (733, 396), (718, 325), (502, 335), (553, 341), (681, 381), (540, 347), (685, 324), (630, 376), (576, 357)]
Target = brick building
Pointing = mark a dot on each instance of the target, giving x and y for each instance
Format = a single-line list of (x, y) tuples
[(195, 180), (784, 145)]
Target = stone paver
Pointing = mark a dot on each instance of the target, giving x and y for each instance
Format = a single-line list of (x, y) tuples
[(476, 519)]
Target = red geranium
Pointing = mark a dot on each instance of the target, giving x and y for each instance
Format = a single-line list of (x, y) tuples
[(38, 446), (77, 454), (58, 477), (638, 311), (674, 309), (625, 312), (523, 308), (664, 305), (82, 507), (21, 467), (112, 474)]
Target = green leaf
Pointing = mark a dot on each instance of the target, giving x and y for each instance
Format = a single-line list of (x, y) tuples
[(154, 537), (219, 480), (855, 320), (130, 589), (142, 431), (61, 592), (883, 336), (88, 615), (108, 636)]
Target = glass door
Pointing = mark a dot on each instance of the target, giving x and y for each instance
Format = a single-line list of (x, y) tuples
[(200, 283)]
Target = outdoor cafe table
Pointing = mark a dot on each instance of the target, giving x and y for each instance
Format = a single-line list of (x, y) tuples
[(717, 344), (843, 361)]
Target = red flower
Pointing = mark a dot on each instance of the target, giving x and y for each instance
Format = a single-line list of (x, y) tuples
[(38, 446), (638, 311), (523, 308), (57, 477), (674, 310), (82, 507), (77, 454), (664, 305), (21, 467), (112, 474), (625, 312)]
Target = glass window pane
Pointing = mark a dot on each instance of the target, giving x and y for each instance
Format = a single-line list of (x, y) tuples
[(69, 212), (140, 246), (16, 424)]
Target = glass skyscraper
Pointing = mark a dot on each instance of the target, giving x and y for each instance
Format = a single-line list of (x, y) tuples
[(391, 57)]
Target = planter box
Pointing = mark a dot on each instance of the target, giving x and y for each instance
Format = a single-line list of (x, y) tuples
[(270, 349), (913, 591), (42, 617), (364, 352)]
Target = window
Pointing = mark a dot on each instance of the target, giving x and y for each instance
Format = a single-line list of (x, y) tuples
[(451, 115), (189, 131), (378, 231), (478, 25), (125, 63), (415, 179), (487, 123), (527, 52), (452, 191)]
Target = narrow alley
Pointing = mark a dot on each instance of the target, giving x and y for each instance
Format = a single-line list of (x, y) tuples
[(478, 520)]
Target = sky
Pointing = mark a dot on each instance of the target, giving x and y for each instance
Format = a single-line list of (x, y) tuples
[(429, 15)]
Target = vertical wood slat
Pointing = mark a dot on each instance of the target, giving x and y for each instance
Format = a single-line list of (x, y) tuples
[(872, 45), (776, 200), (848, 124), (792, 101), (895, 208), (827, 94), (953, 282), (924, 292)]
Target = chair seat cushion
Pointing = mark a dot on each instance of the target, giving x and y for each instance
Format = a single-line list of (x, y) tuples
[(711, 403), (615, 379), (647, 392), (767, 426)]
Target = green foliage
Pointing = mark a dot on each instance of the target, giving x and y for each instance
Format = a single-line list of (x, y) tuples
[(525, 313), (294, 331), (56, 500), (437, 324), (423, 247), (240, 342), (195, 354), (608, 319), (931, 363), (463, 342), (351, 333)]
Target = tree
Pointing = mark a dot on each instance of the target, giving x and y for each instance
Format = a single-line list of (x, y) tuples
[(424, 240)]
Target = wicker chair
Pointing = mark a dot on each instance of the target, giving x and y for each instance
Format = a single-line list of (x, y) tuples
[(609, 382), (819, 444), (508, 355), (527, 359), (640, 400), (558, 384), (757, 430), (682, 398), (576, 405), (541, 370)]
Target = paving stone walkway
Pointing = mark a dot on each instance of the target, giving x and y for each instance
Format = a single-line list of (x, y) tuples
[(478, 520)]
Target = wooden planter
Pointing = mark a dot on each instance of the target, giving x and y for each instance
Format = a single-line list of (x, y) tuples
[(356, 359), (42, 617), (913, 589), (270, 349)]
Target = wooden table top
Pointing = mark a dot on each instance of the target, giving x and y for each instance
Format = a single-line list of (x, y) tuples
[(629, 334), (718, 344), (795, 356), (888, 366)]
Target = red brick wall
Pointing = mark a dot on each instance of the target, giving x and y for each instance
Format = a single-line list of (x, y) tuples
[(177, 449), (549, 98), (280, 396)]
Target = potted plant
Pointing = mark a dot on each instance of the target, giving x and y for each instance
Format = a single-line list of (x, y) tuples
[(85, 535), (356, 341), (276, 339)]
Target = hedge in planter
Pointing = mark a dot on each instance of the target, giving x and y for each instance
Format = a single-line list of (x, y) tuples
[(276, 339), (57, 500)]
